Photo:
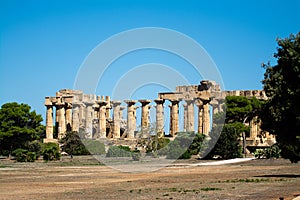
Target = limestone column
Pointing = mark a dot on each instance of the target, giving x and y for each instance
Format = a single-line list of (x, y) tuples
[(108, 106), (68, 116), (60, 110), (116, 119), (253, 128), (200, 116), (131, 118), (102, 119), (89, 119), (49, 119), (171, 120), (190, 115), (159, 117), (174, 126), (75, 120), (145, 123), (206, 118), (184, 117)]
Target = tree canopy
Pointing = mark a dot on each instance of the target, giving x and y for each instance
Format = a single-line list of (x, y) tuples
[(18, 125), (281, 113)]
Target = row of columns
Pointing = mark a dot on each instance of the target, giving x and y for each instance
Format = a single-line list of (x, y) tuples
[(90, 110)]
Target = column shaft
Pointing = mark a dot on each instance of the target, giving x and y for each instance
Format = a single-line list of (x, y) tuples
[(159, 117), (49, 122), (116, 119)]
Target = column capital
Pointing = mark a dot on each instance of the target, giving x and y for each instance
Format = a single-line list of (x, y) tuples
[(130, 102), (116, 103), (102, 103), (159, 101), (144, 101), (175, 101)]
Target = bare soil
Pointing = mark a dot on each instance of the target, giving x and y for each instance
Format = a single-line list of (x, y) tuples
[(84, 178)]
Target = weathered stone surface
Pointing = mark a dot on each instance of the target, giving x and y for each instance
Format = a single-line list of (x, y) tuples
[(159, 117), (77, 111)]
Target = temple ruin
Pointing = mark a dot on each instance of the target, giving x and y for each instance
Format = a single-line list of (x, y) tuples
[(100, 117)]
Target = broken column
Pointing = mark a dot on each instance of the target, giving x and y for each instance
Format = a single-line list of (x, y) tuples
[(116, 119), (49, 119), (102, 119), (131, 118), (190, 116), (159, 117), (174, 127)]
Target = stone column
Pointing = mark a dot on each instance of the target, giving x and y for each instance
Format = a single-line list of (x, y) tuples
[(89, 119), (68, 116), (131, 118), (184, 117), (102, 118), (116, 119), (174, 128), (49, 119), (159, 117), (190, 116), (200, 116), (60, 111), (253, 128), (206, 118), (108, 106), (145, 123), (75, 120)]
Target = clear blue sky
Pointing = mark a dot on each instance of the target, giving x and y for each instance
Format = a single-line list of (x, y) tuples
[(43, 43)]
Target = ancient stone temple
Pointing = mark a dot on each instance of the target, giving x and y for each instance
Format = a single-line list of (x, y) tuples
[(100, 117)]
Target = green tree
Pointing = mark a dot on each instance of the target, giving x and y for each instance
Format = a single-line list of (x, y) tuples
[(281, 113), (18, 125), (227, 145), (72, 144)]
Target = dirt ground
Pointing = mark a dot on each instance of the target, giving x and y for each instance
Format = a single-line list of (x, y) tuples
[(84, 178)]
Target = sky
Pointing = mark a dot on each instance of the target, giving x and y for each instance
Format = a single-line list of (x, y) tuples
[(44, 44)]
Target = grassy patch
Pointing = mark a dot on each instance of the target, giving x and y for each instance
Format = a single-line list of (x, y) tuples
[(210, 189), (252, 180)]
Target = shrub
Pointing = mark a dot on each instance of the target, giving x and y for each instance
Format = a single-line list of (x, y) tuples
[(118, 151), (35, 146), (136, 155), (20, 154), (23, 155), (270, 152), (51, 151), (179, 147), (94, 147)]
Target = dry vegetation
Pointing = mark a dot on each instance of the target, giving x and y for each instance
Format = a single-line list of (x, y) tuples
[(84, 178)]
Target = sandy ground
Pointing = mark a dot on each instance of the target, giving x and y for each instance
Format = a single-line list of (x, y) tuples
[(254, 179)]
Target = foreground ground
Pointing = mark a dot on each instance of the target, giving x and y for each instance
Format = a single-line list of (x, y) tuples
[(84, 178)]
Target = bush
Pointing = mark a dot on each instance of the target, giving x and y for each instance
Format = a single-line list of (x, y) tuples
[(73, 145), (35, 146), (270, 152), (94, 147), (136, 155), (179, 148), (51, 151), (23, 155), (118, 151)]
